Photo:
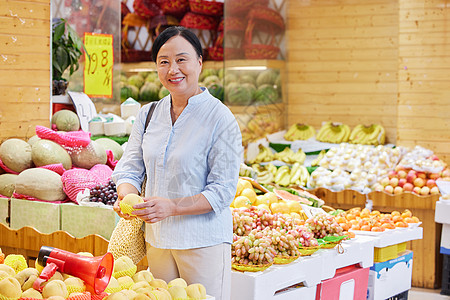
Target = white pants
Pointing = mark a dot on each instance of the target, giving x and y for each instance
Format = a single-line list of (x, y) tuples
[(210, 266)]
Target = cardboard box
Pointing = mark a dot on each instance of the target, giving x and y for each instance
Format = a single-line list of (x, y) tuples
[(389, 278), (81, 221), (349, 283), (43, 216), (4, 211), (445, 236)]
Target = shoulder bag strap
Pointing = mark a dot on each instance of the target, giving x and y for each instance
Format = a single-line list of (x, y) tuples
[(149, 115)]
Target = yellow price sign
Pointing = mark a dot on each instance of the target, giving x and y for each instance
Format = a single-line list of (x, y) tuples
[(98, 67)]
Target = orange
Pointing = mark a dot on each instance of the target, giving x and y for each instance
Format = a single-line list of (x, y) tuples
[(365, 228), (375, 213), (345, 226), (396, 219), (408, 220), (377, 229), (341, 220), (415, 219), (353, 222), (395, 213), (356, 227), (351, 234), (350, 217), (363, 222), (401, 224), (364, 213), (388, 225), (406, 213)]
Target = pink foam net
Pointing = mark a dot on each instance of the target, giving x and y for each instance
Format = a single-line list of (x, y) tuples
[(58, 168), (77, 180), (111, 162), (69, 140), (99, 296)]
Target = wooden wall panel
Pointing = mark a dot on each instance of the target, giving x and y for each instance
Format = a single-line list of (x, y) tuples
[(343, 62), (424, 73), (24, 67)]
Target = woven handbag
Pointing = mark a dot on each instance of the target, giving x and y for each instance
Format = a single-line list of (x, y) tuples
[(128, 238)]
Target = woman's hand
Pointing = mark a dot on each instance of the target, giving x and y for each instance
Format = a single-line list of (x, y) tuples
[(116, 208), (155, 209), (123, 190)]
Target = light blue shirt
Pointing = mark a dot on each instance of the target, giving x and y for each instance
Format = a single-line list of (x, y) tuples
[(200, 153)]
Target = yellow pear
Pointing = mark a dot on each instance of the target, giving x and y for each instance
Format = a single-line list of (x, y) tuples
[(31, 293), (273, 198), (55, 288), (178, 292), (158, 283), (294, 206), (242, 201), (141, 297), (9, 271), (144, 275), (125, 282), (10, 288), (178, 282), (140, 285), (117, 296), (250, 194), (261, 199), (196, 291)]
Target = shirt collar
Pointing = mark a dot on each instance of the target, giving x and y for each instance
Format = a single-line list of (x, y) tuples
[(203, 96)]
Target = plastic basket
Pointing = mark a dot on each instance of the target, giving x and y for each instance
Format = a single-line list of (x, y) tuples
[(197, 21), (401, 296), (306, 251), (385, 253), (446, 275), (207, 7), (250, 268), (401, 247), (283, 260)]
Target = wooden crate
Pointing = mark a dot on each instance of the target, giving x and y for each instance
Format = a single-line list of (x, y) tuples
[(27, 241), (345, 199)]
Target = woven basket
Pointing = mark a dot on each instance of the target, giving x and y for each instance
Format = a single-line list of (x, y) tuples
[(215, 53), (250, 268), (233, 53), (239, 8), (283, 260), (329, 245), (197, 21), (175, 7), (207, 7), (259, 51), (307, 251)]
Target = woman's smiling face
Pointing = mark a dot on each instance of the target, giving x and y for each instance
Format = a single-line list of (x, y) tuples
[(179, 67)]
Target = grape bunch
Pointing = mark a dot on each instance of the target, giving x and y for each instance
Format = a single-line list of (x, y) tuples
[(322, 225), (252, 249), (304, 236), (284, 242), (247, 219), (106, 194)]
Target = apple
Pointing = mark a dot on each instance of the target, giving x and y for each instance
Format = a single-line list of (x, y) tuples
[(431, 183), (401, 182), (434, 157), (392, 174), (434, 190), (378, 187), (419, 182), (389, 189), (384, 181), (446, 173), (408, 187), (402, 174), (393, 181), (434, 176), (422, 175), (399, 168), (411, 177), (425, 191), (398, 190), (417, 190)]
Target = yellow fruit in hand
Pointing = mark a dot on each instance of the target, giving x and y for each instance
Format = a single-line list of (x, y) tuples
[(132, 199), (294, 206), (250, 194), (273, 198), (261, 199), (242, 201)]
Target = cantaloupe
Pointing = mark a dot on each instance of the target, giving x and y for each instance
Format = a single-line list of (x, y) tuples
[(112, 145), (40, 183), (89, 156), (16, 154), (33, 140), (7, 183), (66, 120), (46, 152)]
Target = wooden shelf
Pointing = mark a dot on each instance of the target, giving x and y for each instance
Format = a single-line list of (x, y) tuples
[(252, 109), (242, 63), (146, 66)]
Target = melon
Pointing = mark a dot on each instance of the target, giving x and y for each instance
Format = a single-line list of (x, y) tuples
[(67, 120), (46, 152), (33, 140), (89, 156), (7, 183), (16, 154), (112, 145), (40, 183), (163, 92), (55, 115), (285, 195)]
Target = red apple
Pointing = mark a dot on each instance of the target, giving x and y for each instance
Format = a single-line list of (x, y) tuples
[(431, 183), (417, 190), (402, 174), (411, 177), (401, 182), (408, 187), (446, 173), (425, 191), (399, 168), (419, 182), (392, 174), (389, 189), (434, 157), (398, 190), (393, 181), (422, 175), (434, 176), (434, 190), (384, 181)]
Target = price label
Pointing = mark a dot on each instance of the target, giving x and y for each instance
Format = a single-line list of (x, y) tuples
[(98, 67)]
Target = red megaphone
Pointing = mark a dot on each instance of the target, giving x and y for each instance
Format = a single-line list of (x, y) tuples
[(94, 271)]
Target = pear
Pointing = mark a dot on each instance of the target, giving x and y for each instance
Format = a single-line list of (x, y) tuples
[(158, 283), (55, 288), (75, 284), (8, 271), (125, 282), (117, 296), (196, 291), (123, 263), (143, 275), (141, 297), (178, 282), (56, 298), (178, 292), (139, 285), (160, 295), (31, 293), (10, 288)]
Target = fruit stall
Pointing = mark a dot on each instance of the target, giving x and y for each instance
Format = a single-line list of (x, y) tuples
[(344, 124)]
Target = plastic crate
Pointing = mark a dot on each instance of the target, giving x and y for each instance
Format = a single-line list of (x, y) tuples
[(401, 247), (385, 253), (446, 275), (401, 296)]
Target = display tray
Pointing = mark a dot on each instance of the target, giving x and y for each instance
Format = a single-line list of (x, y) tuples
[(393, 236)]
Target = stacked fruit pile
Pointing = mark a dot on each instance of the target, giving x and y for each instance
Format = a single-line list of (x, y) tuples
[(299, 132), (17, 280), (366, 220), (106, 194), (288, 156), (333, 133), (296, 174)]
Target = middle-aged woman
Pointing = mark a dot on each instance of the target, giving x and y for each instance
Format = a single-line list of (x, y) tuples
[(191, 152)]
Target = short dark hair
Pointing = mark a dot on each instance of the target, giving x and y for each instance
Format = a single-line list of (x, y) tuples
[(172, 31)]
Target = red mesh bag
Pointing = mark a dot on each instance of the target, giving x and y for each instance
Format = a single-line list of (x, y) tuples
[(103, 172), (7, 170), (175, 7), (84, 296), (58, 168), (215, 53), (69, 140), (197, 21), (147, 8), (100, 296), (207, 7)]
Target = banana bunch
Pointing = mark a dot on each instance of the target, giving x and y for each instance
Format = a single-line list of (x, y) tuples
[(283, 176), (264, 155), (333, 133), (246, 171), (368, 135), (299, 174), (299, 132), (265, 177), (290, 157), (316, 161)]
